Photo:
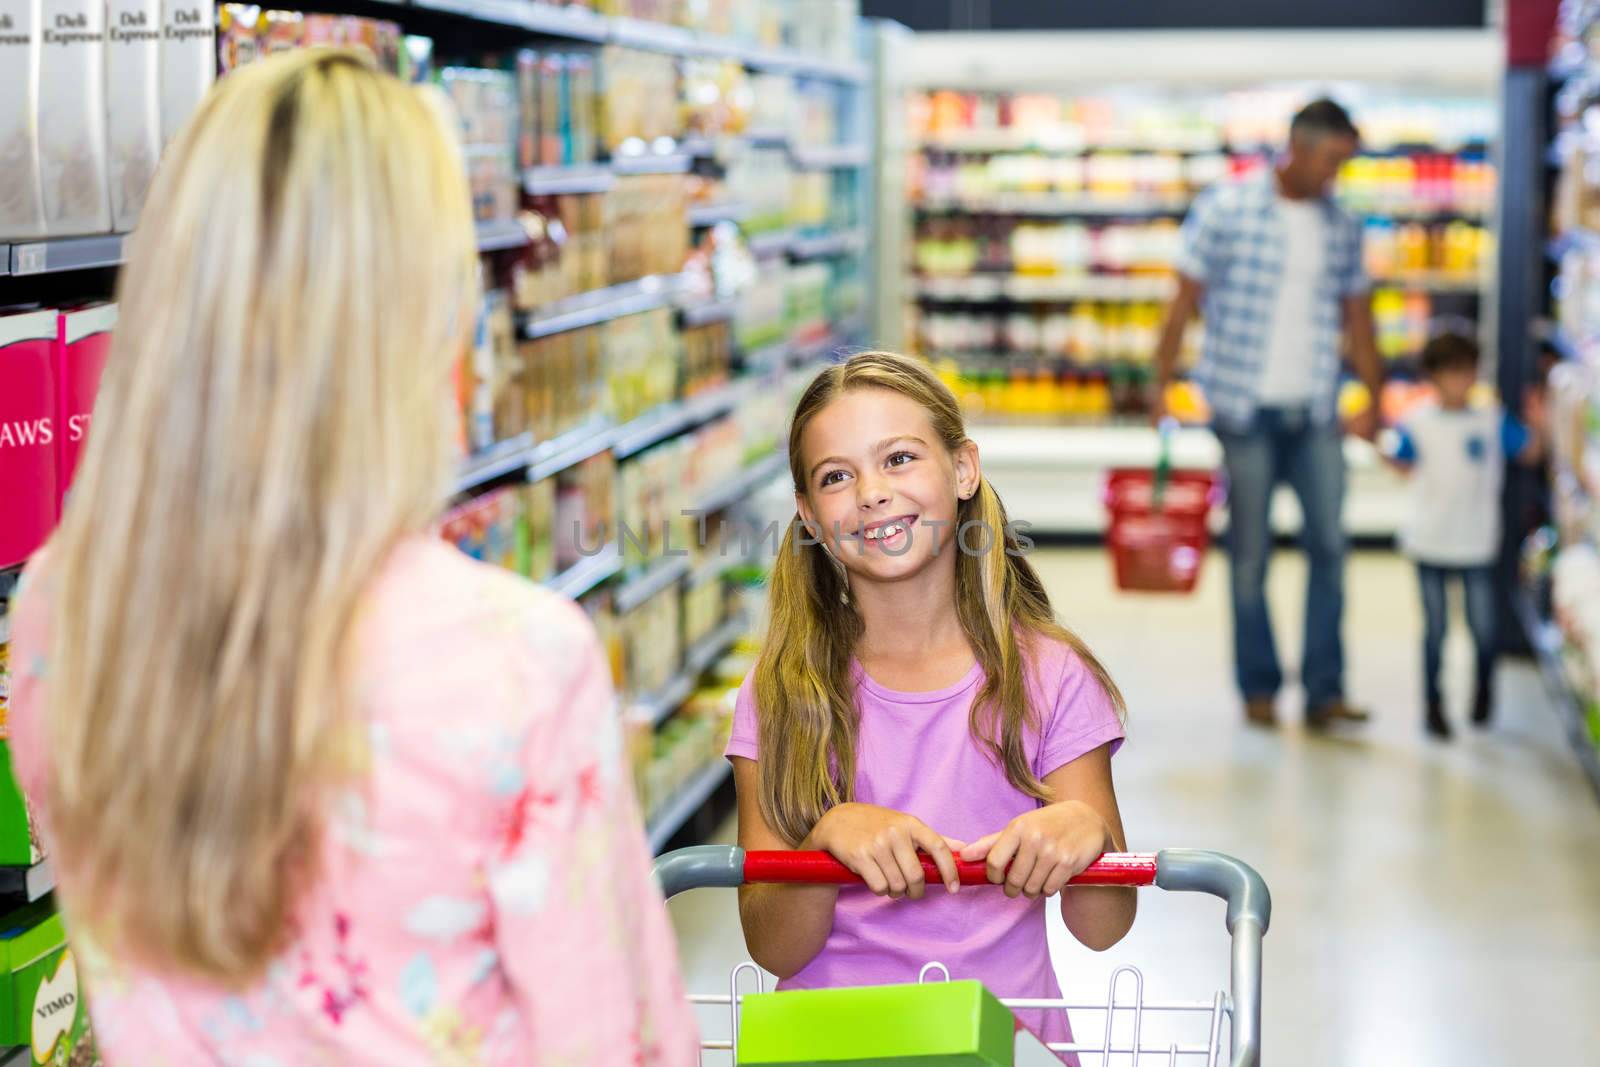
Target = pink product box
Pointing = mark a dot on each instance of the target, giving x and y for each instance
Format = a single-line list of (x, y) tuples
[(27, 433), (83, 341)]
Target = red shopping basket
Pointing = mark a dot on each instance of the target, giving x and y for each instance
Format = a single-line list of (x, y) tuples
[(1158, 534)]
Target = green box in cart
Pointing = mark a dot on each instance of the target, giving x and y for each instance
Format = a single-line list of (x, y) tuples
[(937, 1024), (41, 1005)]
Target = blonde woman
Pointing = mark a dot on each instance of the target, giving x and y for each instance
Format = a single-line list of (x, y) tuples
[(319, 789)]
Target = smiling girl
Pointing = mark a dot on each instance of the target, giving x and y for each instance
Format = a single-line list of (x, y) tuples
[(916, 693)]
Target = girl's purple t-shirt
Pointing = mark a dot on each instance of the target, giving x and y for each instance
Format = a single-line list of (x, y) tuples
[(917, 755)]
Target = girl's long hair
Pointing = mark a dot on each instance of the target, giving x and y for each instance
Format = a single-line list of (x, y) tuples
[(274, 418), (803, 685)]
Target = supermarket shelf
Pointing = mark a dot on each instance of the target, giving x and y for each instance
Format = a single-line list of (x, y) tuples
[(766, 138), (1547, 642), (706, 312), (677, 163), (852, 328), (558, 181), (830, 157), (767, 357), (66, 253), (537, 461), (1055, 204), (602, 305), (1421, 213), (658, 707), (578, 579), (1051, 475), (774, 243), (711, 214), (786, 62), (748, 481), (1198, 142), (654, 36), (550, 458), (540, 461), (601, 177), (681, 808), (501, 235), (850, 242), (704, 653), (1431, 281), (700, 146), (712, 569), (505, 458), (674, 418), (700, 657), (989, 288), (662, 574), (1079, 205), (583, 25), (805, 354), (1008, 141), (575, 23), (33, 882)]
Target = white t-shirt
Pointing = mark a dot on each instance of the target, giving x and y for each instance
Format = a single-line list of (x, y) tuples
[(1286, 372), (1457, 467)]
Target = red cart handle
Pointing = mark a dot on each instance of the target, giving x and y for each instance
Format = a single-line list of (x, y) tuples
[(820, 868)]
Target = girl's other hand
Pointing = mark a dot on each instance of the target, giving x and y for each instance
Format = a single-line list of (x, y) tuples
[(1039, 852), (880, 845)]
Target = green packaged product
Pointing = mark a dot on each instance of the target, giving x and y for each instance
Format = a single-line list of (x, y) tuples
[(41, 1004), (937, 1024), (19, 837)]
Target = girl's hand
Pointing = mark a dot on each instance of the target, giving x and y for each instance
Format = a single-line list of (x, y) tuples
[(1043, 849), (881, 846)]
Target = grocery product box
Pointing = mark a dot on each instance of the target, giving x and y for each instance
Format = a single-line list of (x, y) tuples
[(953, 1024), (133, 105), (491, 528), (71, 118), (188, 60), (41, 1003), (83, 341), (21, 199), (27, 433), (20, 843)]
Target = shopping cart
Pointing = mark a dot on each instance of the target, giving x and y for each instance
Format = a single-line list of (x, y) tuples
[(1157, 528), (1181, 870)]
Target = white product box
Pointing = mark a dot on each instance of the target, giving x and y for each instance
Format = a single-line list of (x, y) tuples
[(21, 204), (188, 60), (133, 104), (72, 117)]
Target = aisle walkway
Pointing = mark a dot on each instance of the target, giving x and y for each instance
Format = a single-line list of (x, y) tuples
[(1433, 905)]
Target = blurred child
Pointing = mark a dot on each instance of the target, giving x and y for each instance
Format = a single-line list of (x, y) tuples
[(1455, 451)]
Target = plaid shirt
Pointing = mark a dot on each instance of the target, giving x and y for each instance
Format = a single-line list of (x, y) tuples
[(1233, 244)]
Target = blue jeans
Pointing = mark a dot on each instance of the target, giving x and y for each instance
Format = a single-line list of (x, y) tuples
[(1478, 584), (1285, 445)]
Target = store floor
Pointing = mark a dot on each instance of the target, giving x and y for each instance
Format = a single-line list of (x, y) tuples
[(1432, 905)]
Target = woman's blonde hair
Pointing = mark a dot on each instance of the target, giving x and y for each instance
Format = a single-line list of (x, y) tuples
[(803, 686), (274, 418)]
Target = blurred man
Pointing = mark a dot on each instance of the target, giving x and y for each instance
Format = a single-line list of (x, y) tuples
[(1276, 268)]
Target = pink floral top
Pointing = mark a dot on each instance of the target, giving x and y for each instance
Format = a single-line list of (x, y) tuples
[(486, 896)]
